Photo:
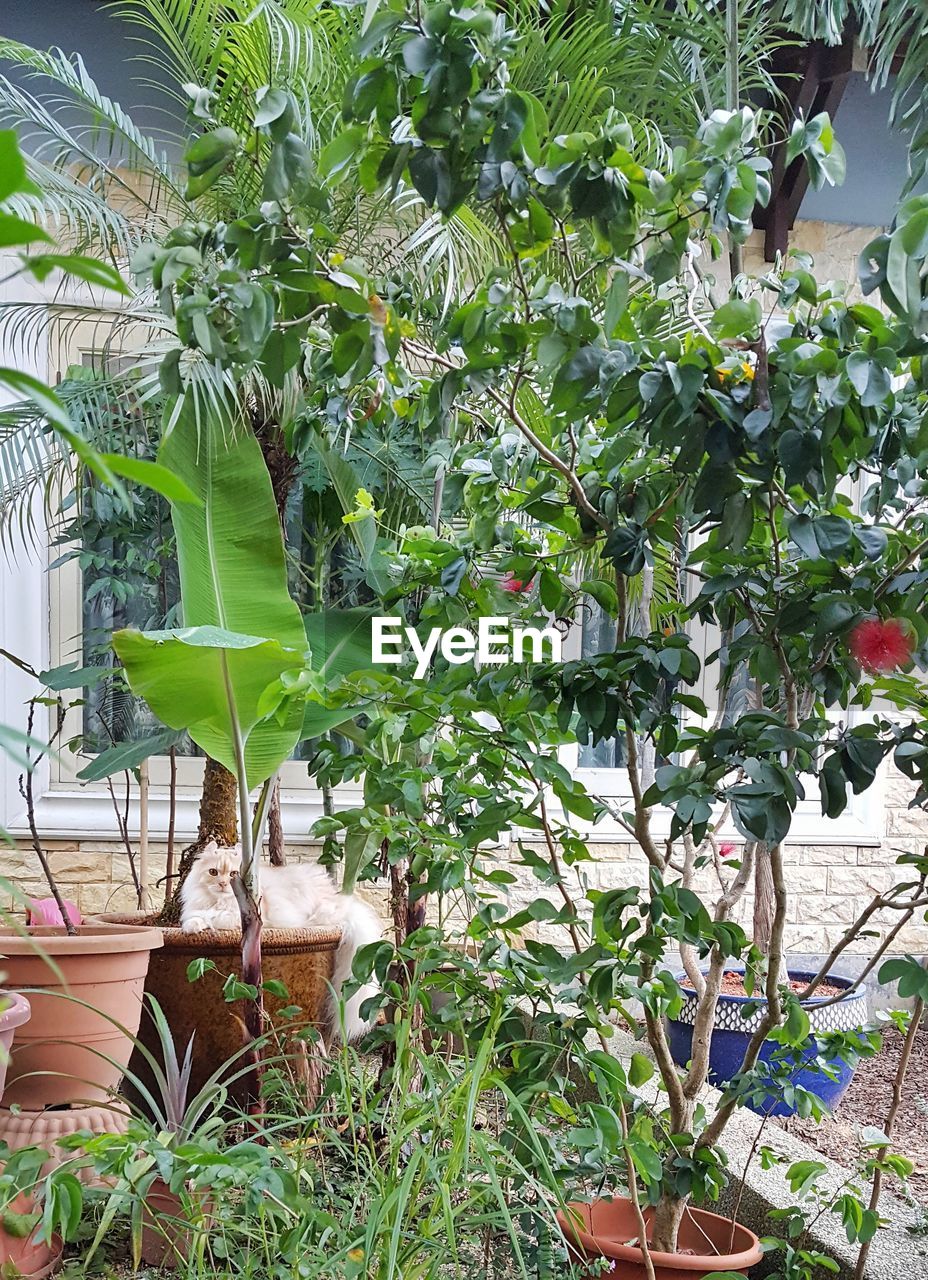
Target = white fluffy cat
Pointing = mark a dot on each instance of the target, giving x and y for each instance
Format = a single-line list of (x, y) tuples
[(300, 896)]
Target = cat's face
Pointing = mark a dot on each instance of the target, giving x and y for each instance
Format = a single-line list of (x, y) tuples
[(217, 869)]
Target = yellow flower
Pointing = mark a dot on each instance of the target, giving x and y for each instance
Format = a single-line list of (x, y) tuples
[(745, 369), (356, 1255)]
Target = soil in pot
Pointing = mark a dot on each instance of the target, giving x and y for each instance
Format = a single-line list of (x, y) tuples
[(85, 991), (17, 1012), (608, 1228), (302, 959)]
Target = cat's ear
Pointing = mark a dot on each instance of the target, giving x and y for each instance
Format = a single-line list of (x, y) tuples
[(209, 848)]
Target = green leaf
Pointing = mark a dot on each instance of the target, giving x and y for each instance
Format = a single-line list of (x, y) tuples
[(230, 550), (737, 317), (616, 302), (911, 977), (319, 719), (360, 847), (198, 967), (208, 157), (71, 676), (13, 177), (15, 231), (212, 682), (91, 270), (281, 352), (153, 476), (129, 755), (340, 643), (272, 104), (337, 154), (640, 1069)]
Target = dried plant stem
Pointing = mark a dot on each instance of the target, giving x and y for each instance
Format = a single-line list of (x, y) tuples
[(276, 847), (26, 790), (172, 821), (143, 893)]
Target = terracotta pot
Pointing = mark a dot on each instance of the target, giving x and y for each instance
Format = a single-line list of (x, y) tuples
[(17, 1012), (165, 1227), (60, 1055), (302, 959), (23, 1255), (603, 1228)]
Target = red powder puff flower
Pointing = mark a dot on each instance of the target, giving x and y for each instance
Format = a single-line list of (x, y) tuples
[(515, 585), (880, 645), (726, 849)]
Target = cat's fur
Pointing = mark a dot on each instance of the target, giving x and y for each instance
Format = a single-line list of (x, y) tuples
[(300, 896)]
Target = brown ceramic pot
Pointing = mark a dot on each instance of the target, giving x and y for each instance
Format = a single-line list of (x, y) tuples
[(17, 1012), (706, 1244), (86, 996), (302, 959), (165, 1227)]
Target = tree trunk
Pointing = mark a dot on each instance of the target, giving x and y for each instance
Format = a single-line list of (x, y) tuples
[(764, 900), (218, 822), (667, 1218), (765, 910), (407, 918)]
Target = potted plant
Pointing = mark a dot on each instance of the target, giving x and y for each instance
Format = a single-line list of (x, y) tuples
[(142, 1168), (84, 982), (817, 1071), (242, 679), (181, 1156)]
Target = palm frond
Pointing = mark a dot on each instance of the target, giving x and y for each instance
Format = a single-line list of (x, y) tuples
[(108, 142)]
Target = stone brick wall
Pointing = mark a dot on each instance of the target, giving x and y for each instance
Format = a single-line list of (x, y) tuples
[(829, 884)]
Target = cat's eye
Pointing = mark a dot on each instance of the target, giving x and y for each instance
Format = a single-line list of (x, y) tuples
[(233, 874), (213, 871)]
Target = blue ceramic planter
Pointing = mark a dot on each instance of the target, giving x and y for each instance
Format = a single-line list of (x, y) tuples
[(733, 1032)]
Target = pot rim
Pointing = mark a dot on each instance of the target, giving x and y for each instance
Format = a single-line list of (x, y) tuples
[(801, 975), (176, 940), (619, 1252), (95, 937), (16, 1013)]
